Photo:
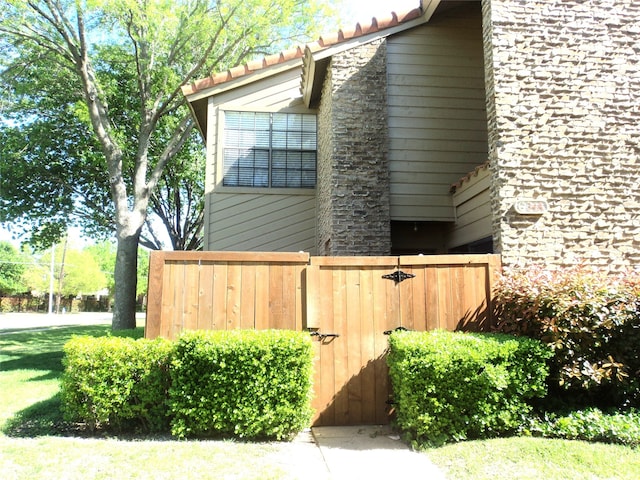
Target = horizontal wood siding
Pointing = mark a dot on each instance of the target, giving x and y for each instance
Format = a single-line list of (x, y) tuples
[(262, 222), (437, 116), (272, 220), (472, 204)]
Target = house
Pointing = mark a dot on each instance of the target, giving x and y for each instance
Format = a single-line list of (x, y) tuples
[(461, 126)]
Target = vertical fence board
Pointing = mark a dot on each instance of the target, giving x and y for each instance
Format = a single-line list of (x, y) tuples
[(289, 296), (367, 344), (219, 320), (190, 294), (166, 294), (354, 339), (275, 296), (262, 297), (154, 303), (248, 296), (234, 295), (320, 288), (176, 273), (341, 397), (205, 298)]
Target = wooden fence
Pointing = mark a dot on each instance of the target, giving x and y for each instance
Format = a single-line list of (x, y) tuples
[(224, 290), (348, 303)]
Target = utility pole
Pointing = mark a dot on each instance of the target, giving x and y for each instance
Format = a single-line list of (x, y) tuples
[(61, 277), (51, 272)]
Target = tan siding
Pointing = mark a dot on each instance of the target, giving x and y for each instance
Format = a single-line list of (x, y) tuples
[(254, 222), (473, 210), (437, 119)]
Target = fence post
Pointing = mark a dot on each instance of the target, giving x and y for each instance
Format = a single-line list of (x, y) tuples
[(154, 294), (494, 267)]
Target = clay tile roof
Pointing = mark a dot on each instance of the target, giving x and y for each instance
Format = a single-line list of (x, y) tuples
[(469, 176), (325, 41)]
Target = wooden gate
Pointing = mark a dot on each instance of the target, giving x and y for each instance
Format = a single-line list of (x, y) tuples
[(352, 305), (347, 303)]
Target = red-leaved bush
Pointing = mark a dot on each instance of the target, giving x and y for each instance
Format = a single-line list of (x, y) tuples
[(591, 320)]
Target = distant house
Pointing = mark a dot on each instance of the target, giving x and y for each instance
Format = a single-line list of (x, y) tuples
[(461, 126)]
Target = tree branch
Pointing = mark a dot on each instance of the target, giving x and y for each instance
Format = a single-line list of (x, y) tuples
[(177, 140)]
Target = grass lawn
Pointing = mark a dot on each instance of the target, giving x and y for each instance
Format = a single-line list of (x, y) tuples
[(523, 458), (36, 443)]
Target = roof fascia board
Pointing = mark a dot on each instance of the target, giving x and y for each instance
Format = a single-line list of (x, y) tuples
[(197, 120), (429, 7)]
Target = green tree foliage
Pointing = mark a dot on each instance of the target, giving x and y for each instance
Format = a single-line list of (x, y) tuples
[(81, 274), (122, 63), (104, 253), (178, 203), (12, 268)]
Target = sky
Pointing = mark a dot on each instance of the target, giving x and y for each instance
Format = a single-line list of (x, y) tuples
[(362, 10)]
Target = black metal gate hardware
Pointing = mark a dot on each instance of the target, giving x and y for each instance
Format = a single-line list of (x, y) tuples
[(398, 276), (322, 336)]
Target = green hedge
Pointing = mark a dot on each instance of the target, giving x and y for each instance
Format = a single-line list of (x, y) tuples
[(119, 383), (455, 386), (244, 383), (591, 320)]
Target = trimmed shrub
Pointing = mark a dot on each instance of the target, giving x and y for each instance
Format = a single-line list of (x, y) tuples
[(454, 386), (242, 383), (116, 383), (592, 323)]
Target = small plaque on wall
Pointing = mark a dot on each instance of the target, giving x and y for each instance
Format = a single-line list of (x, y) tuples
[(531, 206)]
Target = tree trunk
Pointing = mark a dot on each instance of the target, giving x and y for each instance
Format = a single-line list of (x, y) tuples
[(125, 277)]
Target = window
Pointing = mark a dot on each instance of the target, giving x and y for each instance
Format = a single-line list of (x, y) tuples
[(275, 150)]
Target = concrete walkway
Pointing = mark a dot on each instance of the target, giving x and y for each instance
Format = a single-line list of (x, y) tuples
[(357, 452)]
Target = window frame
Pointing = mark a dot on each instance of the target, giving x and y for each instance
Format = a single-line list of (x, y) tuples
[(220, 147)]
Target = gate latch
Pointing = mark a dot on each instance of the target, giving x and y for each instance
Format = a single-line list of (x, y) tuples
[(398, 276), (322, 336)]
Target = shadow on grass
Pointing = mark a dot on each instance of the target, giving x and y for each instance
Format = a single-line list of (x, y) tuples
[(41, 418), (41, 349), (45, 418)]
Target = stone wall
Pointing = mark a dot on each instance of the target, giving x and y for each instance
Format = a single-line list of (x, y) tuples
[(563, 93), (353, 171)]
